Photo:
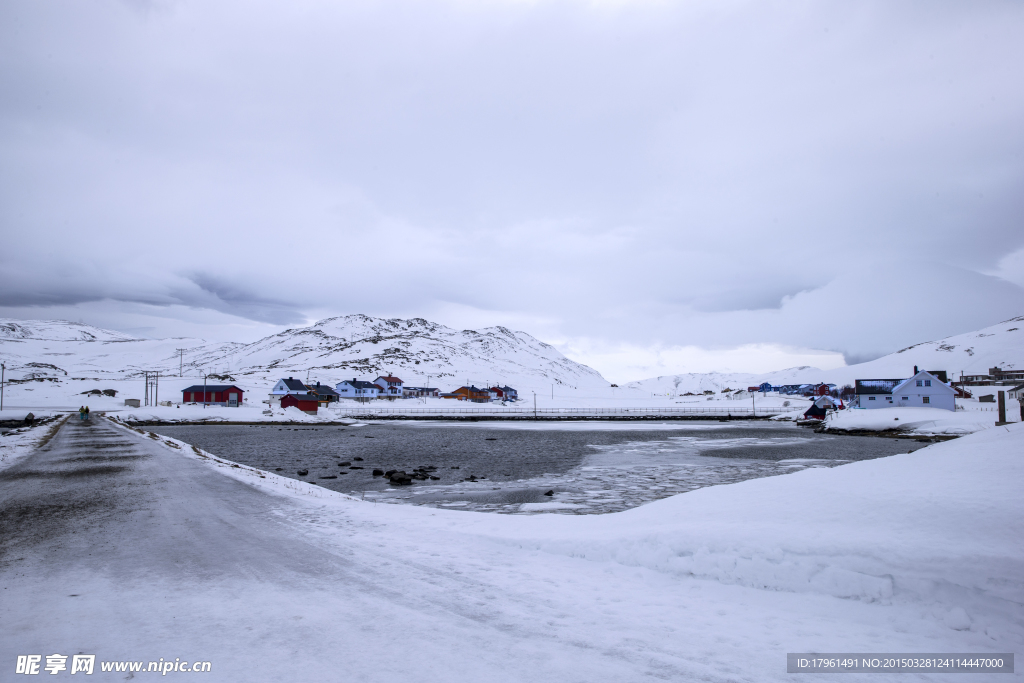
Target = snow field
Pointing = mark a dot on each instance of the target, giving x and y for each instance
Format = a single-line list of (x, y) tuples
[(913, 553)]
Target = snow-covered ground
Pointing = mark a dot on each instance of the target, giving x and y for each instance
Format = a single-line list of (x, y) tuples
[(924, 421), (273, 579), (18, 442)]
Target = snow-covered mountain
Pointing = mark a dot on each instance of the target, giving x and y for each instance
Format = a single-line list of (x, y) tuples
[(1000, 345), (416, 350)]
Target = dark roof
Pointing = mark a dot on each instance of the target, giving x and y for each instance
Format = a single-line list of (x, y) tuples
[(294, 384), (360, 384), (877, 386), (323, 390), (300, 397), (506, 388), (211, 387)]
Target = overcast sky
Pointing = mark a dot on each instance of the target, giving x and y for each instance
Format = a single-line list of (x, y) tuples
[(655, 187)]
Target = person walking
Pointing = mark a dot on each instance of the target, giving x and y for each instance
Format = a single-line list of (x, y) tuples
[(81, 412)]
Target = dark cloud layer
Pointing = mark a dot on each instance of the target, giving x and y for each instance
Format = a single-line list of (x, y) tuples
[(830, 175)]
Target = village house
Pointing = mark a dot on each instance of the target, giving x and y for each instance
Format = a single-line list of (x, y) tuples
[(420, 392), (215, 394), (357, 390), (307, 403), (390, 387), (922, 390), (504, 393), (288, 386), (470, 393), (325, 395)]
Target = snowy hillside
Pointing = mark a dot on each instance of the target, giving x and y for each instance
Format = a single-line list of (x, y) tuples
[(43, 355), (416, 350), (1000, 345)]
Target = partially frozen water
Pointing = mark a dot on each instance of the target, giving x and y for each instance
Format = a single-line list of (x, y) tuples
[(613, 478), (591, 467)]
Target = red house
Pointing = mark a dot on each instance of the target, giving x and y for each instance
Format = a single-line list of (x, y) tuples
[(307, 403), (215, 394)]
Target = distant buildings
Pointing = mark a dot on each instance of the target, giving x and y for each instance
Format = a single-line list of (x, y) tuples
[(995, 377)]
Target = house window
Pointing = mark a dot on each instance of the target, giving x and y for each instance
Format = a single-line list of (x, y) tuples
[(920, 383), (904, 398), (871, 398), (927, 382), (926, 399)]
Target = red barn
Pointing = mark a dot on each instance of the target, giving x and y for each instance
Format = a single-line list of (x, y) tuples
[(307, 403), (216, 394)]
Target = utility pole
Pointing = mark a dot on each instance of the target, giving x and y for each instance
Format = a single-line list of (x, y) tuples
[(204, 391), (3, 373), (535, 405), (181, 360), (753, 403)]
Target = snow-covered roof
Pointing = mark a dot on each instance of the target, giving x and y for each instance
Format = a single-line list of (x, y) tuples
[(877, 386), (294, 384), (389, 378)]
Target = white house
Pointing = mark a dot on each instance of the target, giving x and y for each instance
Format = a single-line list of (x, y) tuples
[(285, 387), (923, 390), (357, 389), (288, 386), (390, 387)]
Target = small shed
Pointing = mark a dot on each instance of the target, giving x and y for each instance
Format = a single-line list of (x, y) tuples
[(307, 403)]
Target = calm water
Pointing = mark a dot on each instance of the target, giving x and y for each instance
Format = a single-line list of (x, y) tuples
[(592, 467)]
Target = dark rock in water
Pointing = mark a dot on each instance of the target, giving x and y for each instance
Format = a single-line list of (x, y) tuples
[(278, 469), (344, 464), (436, 478), (358, 459), (302, 473), (455, 467), (400, 478), (490, 438), (378, 473), (549, 493), (329, 476), (367, 437), (355, 467), (389, 473)]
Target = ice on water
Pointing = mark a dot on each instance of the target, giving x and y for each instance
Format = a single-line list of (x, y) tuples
[(613, 478)]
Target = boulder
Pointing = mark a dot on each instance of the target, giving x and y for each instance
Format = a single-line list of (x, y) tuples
[(549, 493), (378, 473), (302, 473)]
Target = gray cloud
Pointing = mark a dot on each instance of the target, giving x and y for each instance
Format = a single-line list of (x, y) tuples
[(702, 173)]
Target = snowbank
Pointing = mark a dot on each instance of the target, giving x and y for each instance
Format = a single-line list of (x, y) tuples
[(912, 553), (941, 526), (922, 421)]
